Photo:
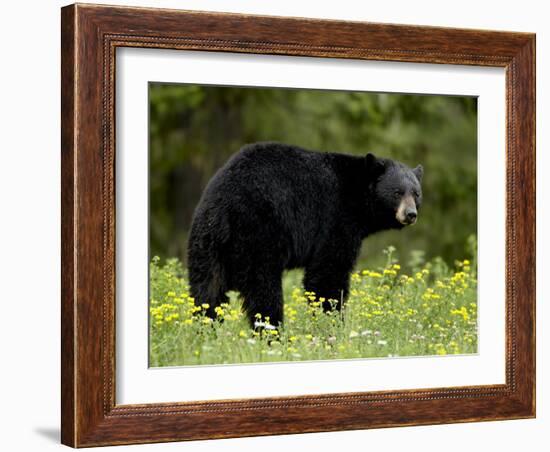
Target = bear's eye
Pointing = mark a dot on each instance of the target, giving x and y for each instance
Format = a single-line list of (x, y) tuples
[(416, 194), (398, 193)]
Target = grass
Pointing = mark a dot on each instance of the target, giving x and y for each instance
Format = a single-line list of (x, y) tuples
[(430, 311)]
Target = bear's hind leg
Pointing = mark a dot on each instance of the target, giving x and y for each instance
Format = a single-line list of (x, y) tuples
[(204, 294), (263, 296), (209, 288)]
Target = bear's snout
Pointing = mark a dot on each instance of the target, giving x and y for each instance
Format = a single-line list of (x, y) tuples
[(410, 216), (406, 211)]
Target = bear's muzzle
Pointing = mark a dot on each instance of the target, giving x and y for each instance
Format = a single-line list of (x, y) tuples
[(406, 212)]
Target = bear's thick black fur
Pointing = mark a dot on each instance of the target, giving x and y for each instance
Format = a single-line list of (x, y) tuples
[(274, 206)]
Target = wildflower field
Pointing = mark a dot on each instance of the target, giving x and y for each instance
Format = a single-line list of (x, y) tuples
[(430, 311)]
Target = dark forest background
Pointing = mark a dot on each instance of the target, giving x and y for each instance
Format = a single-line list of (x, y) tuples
[(194, 129)]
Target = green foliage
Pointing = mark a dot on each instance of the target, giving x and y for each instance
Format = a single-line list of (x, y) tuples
[(389, 313), (194, 129)]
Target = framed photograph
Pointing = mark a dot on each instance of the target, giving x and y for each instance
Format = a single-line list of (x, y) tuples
[(282, 225)]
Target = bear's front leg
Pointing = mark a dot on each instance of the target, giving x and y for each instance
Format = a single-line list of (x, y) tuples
[(329, 273), (327, 285)]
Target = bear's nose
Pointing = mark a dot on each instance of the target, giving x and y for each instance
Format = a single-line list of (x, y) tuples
[(411, 216)]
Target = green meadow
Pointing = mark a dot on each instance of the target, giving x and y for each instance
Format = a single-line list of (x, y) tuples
[(429, 310)]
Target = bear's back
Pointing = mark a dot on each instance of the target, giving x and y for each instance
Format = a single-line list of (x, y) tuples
[(276, 173), (290, 190), (278, 160)]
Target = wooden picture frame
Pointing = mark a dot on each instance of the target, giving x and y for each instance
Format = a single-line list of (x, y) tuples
[(90, 36)]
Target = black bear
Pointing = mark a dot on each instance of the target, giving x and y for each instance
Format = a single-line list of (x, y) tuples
[(274, 206)]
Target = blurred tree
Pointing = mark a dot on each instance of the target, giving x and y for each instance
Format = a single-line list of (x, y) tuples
[(194, 129)]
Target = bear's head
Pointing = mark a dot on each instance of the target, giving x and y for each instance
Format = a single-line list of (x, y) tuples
[(396, 191)]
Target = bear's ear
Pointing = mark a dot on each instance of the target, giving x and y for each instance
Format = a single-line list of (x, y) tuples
[(375, 166), (419, 172)]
